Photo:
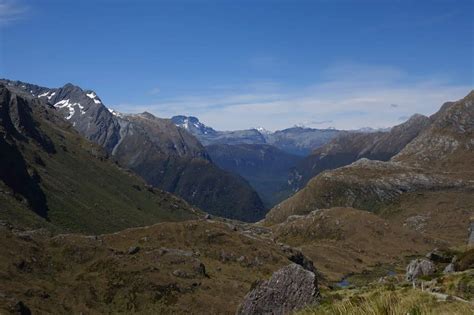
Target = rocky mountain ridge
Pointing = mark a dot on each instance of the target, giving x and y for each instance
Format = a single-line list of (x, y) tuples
[(372, 185), (296, 140), (348, 147), (50, 175), (167, 157)]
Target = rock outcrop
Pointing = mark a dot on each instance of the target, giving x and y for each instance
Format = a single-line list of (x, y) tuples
[(419, 267), (289, 289)]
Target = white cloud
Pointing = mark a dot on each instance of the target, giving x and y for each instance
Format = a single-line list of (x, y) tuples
[(349, 97), (10, 11)]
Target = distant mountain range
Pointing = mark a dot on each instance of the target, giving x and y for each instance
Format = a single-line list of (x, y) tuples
[(167, 157), (296, 140)]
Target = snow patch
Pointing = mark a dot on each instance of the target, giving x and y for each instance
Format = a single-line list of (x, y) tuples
[(47, 95), (71, 107), (115, 113), (93, 96)]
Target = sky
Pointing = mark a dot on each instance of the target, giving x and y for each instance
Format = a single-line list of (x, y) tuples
[(243, 64)]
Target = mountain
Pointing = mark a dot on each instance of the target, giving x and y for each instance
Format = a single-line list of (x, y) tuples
[(447, 145), (427, 186), (264, 166), (50, 176), (300, 140), (208, 136), (297, 140), (193, 125), (167, 157), (348, 147)]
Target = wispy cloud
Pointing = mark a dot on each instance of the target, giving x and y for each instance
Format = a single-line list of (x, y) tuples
[(11, 10), (349, 96)]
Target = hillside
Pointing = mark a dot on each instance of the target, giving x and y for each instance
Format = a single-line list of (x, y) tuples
[(167, 157), (345, 240), (348, 147), (264, 166), (51, 176), (395, 188), (196, 266)]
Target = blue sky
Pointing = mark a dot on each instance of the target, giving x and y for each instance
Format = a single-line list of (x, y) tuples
[(240, 64)]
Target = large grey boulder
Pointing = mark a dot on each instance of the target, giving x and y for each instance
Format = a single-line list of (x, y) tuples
[(419, 267), (289, 289)]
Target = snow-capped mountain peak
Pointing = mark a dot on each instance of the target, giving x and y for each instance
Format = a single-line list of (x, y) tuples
[(192, 124)]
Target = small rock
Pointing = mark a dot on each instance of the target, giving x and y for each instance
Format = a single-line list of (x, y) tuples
[(207, 216), (180, 273), (419, 267), (200, 269), (133, 250), (450, 268), (289, 289)]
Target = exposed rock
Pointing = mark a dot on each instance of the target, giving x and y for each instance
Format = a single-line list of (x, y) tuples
[(133, 250), (289, 289), (297, 257), (438, 256), (180, 273), (419, 267), (200, 268), (450, 268)]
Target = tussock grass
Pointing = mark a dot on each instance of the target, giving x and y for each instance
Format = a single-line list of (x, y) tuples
[(389, 302)]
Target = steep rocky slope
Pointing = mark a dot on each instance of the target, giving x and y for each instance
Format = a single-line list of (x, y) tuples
[(264, 166), (348, 147), (448, 144), (50, 175), (167, 157), (438, 160)]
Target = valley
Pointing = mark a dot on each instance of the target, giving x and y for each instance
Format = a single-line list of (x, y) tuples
[(86, 193)]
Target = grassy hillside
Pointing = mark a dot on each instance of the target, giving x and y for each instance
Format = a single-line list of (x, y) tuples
[(76, 187), (201, 267)]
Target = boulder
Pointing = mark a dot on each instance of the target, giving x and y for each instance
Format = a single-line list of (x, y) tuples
[(449, 268), (439, 256), (289, 289), (419, 267)]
